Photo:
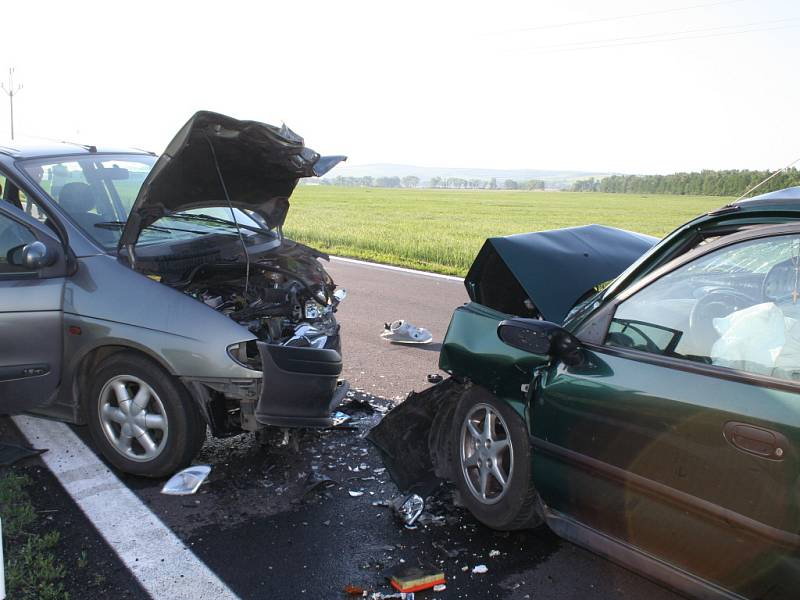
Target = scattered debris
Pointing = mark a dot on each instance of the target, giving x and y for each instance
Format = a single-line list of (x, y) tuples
[(480, 569), (410, 508), (415, 579), (400, 595), (340, 418), (493, 553), (187, 481), (447, 552), (316, 480), (10, 453), (355, 494), (435, 378), (403, 332), (354, 590), (439, 588)]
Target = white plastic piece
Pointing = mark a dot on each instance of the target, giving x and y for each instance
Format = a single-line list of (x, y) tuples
[(403, 332), (355, 494), (187, 481), (480, 569)]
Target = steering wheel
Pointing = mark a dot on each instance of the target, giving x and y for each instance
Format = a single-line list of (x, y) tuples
[(717, 303), (779, 283)]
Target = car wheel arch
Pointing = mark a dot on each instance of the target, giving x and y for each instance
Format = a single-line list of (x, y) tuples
[(93, 357)]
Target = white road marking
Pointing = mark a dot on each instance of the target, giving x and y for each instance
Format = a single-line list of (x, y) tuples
[(401, 269), (164, 566)]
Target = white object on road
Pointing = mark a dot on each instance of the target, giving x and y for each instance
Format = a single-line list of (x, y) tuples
[(403, 332), (187, 481), (162, 564), (480, 569)]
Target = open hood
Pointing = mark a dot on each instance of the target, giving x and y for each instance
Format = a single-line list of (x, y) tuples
[(260, 165), (547, 272)]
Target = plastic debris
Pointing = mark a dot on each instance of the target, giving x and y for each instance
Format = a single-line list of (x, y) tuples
[(439, 588), (410, 508), (11, 453), (493, 553), (399, 595), (403, 332), (355, 494), (316, 480), (415, 579), (340, 418), (187, 481), (354, 590), (480, 569), (435, 378)]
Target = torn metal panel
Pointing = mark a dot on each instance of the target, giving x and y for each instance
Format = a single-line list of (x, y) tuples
[(413, 438), (543, 274)]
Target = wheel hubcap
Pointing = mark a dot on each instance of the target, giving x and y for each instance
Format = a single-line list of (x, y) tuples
[(487, 457), (133, 418)]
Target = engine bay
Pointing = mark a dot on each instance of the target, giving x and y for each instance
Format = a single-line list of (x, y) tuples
[(282, 297)]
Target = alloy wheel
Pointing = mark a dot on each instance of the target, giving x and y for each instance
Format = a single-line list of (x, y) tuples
[(487, 456), (133, 418)]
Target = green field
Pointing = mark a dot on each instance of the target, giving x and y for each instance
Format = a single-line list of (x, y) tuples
[(442, 230)]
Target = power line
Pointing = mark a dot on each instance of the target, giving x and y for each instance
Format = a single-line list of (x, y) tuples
[(623, 17), (667, 34), (663, 40)]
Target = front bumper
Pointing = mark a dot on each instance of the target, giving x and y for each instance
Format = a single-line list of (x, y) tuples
[(300, 386)]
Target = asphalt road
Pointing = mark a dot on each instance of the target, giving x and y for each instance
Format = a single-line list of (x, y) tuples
[(377, 295)]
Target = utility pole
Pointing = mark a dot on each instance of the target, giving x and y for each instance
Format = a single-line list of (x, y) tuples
[(11, 91)]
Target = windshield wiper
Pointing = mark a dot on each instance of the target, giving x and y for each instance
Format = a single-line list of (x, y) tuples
[(121, 224), (213, 219)]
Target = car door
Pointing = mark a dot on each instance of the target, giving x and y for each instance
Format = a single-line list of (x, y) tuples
[(31, 343), (679, 433)]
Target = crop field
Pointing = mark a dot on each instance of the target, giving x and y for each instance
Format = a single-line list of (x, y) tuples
[(442, 230)]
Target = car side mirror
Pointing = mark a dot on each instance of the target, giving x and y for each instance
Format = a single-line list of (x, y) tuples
[(34, 256), (541, 337)]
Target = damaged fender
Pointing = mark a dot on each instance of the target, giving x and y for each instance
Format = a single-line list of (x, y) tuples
[(414, 437)]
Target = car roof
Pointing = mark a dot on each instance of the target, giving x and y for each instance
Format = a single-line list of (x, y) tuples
[(787, 197), (25, 149)]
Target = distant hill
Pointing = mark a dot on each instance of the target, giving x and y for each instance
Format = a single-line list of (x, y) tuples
[(553, 179)]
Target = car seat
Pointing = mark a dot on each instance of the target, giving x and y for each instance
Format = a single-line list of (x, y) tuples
[(78, 200)]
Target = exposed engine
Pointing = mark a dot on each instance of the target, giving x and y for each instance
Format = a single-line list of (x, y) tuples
[(278, 306), (288, 297)]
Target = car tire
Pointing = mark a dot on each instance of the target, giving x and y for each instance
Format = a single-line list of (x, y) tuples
[(141, 418), (492, 465)]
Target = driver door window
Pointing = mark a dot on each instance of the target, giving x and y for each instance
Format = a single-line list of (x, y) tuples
[(12, 235), (736, 307)]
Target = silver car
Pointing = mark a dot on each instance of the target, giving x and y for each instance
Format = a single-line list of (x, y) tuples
[(153, 297)]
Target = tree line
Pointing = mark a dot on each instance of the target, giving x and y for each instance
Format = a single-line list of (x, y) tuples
[(703, 183), (454, 183)]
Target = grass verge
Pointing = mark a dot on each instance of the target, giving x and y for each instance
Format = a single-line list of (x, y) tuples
[(442, 230), (33, 572)]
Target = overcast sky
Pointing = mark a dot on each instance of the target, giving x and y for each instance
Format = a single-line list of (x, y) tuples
[(617, 85)]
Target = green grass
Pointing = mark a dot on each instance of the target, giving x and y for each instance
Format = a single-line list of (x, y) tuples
[(33, 572), (442, 230)]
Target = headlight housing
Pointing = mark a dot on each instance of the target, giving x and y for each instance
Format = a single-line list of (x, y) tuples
[(246, 354)]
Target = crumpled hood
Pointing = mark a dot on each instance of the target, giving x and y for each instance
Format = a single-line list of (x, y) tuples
[(260, 166), (555, 268)]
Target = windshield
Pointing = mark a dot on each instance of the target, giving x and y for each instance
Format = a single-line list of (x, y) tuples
[(98, 192)]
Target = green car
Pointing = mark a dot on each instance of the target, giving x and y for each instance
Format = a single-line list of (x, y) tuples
[(641, 399)]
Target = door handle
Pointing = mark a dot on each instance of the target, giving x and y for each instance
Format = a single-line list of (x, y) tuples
[(758, 441)]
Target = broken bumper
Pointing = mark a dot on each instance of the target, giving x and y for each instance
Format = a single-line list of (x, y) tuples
[(300, 386)]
